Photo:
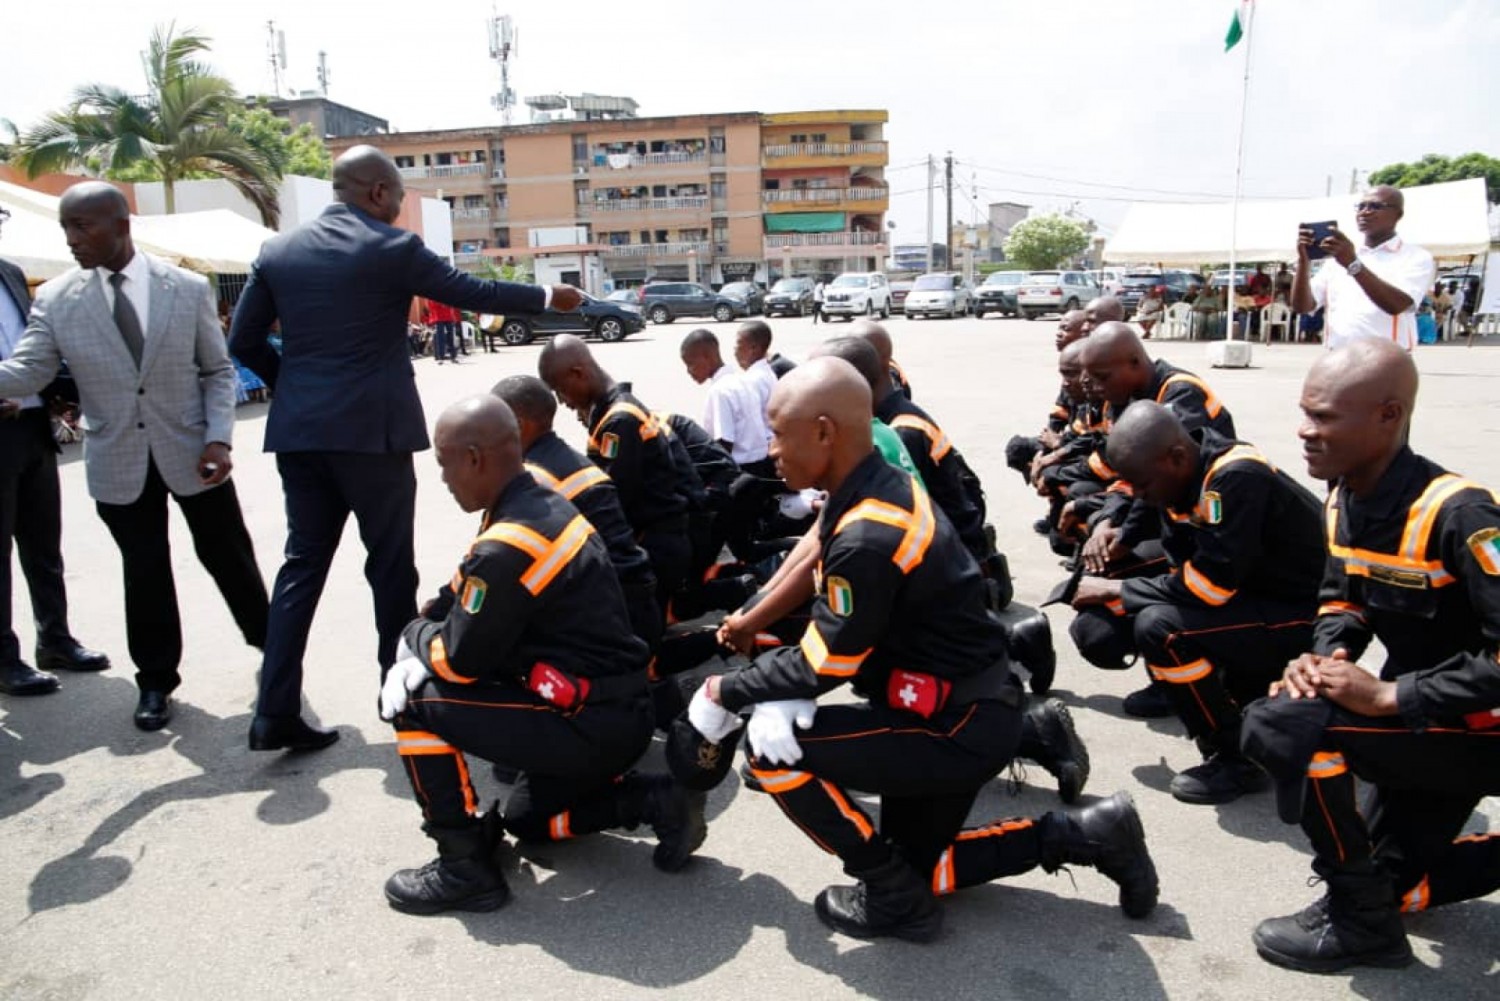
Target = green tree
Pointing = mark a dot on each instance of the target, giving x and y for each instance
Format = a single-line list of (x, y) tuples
[(177, 130), (8, 137), (289, 150), (1045, 241), (1435, 169)]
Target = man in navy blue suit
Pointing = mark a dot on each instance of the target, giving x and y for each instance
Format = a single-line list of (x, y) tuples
[(346, 416)]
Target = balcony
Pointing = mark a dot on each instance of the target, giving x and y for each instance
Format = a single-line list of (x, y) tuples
[(696, 203), (445, 170), (868, 198), (470, 260), (610, 162), (828, 244), (648, 251), (474, 214), (854, 154)]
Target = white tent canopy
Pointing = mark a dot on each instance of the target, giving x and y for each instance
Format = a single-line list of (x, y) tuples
[(217, 240), (1449, 220)]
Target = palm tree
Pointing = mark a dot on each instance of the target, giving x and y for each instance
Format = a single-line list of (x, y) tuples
[(176, 130)]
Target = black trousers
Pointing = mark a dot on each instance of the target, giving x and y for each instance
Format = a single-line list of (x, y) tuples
[(153, 629), (322, 489), (31, 515), (671, 553), (927, 774), (1212, 661), (1423, 787), (571, 762)]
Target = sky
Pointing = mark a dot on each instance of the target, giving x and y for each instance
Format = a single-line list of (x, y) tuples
[(1082, 105)]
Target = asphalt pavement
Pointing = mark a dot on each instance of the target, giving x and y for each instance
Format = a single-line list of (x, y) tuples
[(181, 865)]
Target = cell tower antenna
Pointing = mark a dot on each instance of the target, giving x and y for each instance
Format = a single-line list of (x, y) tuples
[(275, 55), (503, 47), (323, 72)]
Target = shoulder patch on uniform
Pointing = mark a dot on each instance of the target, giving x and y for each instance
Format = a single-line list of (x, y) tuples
[(472, 598), (1485, 545), (609, 445), (1212, 507), (840, 597)]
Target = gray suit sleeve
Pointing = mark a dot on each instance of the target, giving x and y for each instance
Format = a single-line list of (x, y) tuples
[(216, 375), (36, 359)]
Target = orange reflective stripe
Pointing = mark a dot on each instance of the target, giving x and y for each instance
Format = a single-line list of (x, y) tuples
[(410, 743), (1326, 765), (938, 444), (815, 650), (541, 475), (437, 659), (650, 426), (580, 481), (919, 533), (875, 510), (1416, 536), (560, 827), (558, 555), (1423, 514), (780, 780), (851, 812), (999, 828), (943, 881), (1184, 674), (1417, 898), (1204, 589), (525, 539), (1341, 608), (1238, 453), (1100, 468), (1211, 402)]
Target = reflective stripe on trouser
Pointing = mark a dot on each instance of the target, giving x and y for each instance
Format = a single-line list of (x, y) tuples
[(826, 814), (1214, 660), (981, 854), (438, 773)]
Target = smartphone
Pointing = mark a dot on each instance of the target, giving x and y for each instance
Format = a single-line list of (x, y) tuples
[(1320, 232)]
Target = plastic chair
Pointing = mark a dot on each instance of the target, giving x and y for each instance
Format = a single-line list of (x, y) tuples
[(1174, 322), (1277, 315)]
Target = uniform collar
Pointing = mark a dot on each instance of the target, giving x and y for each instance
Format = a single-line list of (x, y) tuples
[(852, 489), (1211, 445), (1391, 246), (1394, 491)]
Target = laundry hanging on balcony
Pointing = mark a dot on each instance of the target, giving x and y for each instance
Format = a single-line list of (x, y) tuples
[(805, 222)]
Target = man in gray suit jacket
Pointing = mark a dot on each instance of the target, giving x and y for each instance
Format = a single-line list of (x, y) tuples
[(156, 390)]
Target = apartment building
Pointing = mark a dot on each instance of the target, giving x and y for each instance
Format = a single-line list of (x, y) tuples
[(712, 198)]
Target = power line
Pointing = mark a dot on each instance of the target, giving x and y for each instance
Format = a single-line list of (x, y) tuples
[(1104, 184)]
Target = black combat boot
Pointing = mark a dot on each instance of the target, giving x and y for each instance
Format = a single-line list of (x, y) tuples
[(1357, 923), (674, 813), (890, 900), (1049, 738), (1225, 775), (1028, 639), (464, 876), (1108, 836)]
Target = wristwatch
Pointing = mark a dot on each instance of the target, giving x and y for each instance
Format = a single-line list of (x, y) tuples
[(1355, 267)]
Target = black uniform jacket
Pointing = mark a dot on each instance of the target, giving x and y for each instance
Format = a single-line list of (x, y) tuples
[(552, 463), (895, 589), (941, 467), (1417, 565), (1247, 528), (535, 588), (626, 442)]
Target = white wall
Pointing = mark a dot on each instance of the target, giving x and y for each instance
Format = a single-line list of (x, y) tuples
[(437, 227), (302, 198)]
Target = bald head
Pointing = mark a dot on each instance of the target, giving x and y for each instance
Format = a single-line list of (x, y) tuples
[(369, 180), (1153, 452), (1071, 356), (820, 416), (859, 353), (478, 446), (531, 401), (568, 367), (1071, 326), (1371, 368), (1391, 196), (879, 338), (483, 421), (1104, 309), (104, 200), (1115, 361), (1357, 403)]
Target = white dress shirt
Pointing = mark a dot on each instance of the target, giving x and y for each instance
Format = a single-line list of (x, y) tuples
[(1350, 312), (762, 377), (137, 288), (12, 326), (732, 413)]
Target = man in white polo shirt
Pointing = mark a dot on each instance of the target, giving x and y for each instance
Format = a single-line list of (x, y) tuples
[(732, 414), (1373, 291)]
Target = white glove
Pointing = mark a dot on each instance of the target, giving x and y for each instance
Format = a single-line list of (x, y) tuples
[(709, 718), (770, 731), (404, 677)]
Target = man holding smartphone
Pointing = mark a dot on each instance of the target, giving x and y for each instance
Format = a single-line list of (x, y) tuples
[(1372, 291)]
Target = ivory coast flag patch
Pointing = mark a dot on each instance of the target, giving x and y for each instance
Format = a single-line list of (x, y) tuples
[(840, 597), (609, 445), (1485, 545), (474, 591), (1213, 507)]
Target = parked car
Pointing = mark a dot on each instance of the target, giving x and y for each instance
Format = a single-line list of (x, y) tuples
[(608, 321), (1175, 286), (790, 297), (628, 297), (899, 291), (940, 293), (1055, 292), (752, 294), (1109, 279), (997, 294), (857, 293), (663, 302)]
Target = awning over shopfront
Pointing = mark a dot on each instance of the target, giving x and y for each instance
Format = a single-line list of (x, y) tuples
[(805, 222)]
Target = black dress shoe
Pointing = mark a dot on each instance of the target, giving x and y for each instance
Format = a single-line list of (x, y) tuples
[(72, 656), (273, 733), (153, 711), (17, 678)]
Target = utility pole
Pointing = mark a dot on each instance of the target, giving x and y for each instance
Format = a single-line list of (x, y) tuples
[(929, 211), (948, 233)]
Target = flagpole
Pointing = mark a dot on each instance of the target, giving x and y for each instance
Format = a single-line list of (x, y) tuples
[(1239, 175)]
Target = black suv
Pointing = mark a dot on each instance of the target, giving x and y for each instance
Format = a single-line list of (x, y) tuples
[(663, 302), (790, 297), (1177, 286)]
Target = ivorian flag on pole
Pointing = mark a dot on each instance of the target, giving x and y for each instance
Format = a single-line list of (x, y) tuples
[(1236, 32)]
